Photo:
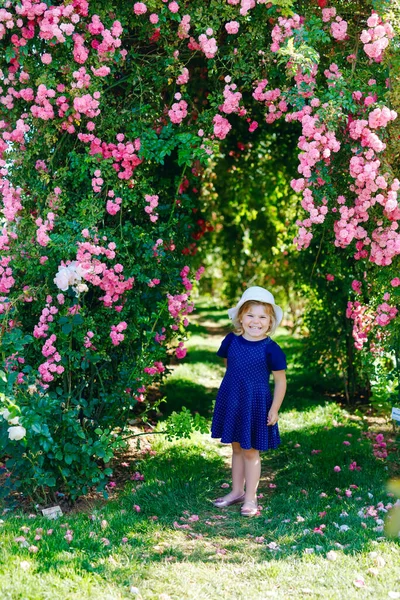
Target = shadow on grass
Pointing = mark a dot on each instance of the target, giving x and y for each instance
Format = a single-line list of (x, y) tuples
[(182, 392), (202, 355), (216, 315), (300, 477)]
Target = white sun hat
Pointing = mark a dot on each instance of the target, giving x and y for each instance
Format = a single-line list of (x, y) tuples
[(258, 294)]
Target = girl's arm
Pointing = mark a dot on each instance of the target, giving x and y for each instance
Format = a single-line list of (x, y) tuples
[(279, 394)]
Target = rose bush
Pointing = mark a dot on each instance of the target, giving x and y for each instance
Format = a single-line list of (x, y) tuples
[(108, 114)]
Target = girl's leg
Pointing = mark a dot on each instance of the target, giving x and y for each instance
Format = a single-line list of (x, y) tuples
[(237, 474), (252, 473), (237, 470)]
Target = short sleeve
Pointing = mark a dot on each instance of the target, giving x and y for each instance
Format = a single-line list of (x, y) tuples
[(226, 342), (276, 358)]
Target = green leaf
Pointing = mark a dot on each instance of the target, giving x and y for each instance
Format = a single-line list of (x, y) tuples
[(67, 328), (77, 319), (9, 53)]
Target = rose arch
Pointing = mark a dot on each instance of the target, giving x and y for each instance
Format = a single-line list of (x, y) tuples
[(109, 114)]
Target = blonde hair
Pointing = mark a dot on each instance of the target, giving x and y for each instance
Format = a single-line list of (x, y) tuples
[(269, 310)]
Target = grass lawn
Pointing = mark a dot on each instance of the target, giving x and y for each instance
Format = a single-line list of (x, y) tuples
[(319, 532)]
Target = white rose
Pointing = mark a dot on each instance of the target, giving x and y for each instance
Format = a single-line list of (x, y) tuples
[(17, 432), (81, 287), (14, 421), (73, 276), (5, 413), (62, 279)]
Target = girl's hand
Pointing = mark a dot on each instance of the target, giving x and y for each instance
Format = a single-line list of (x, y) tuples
[(272, 417)]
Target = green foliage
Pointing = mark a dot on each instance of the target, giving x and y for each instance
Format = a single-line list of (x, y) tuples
[(248, 190), (286, 7), (180, 425), (333, 354)]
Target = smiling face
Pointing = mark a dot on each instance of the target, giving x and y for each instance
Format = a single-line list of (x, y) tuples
[(256, 320)]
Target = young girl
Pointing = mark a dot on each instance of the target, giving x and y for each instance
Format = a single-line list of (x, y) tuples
[(245, 413)]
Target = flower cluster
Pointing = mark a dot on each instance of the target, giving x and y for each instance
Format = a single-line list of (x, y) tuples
[(339, 29), (178, 111), (184, 27), (94, 271), (208, 45), (232, 27), (139, 8), (6, 278), (364, 168), (328, 14), (385, 314), (87, 105), (46, 317), (284, 29), (13, 363), (157, 367), (11, 198), (183, 78), (152, 204), (221, 127), (124, 155), (49, 369), (305, 81), (43, 227), (270, 99), (363, 320), (178, 306), (317, 145), (116, 334), (376, 38), (87, 341), (231, 100)]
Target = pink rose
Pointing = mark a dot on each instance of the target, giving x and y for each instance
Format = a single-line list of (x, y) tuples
[(232, 27), (139, 8), (46, 58), (173, 7)]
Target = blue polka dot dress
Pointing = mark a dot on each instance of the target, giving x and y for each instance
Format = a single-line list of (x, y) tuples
[(244, 397)]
